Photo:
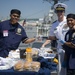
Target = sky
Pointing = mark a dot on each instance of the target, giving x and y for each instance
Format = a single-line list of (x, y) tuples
[(31, 8)]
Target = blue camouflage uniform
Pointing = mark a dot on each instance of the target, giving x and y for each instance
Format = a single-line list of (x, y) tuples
[(10, 37), (70, 52)]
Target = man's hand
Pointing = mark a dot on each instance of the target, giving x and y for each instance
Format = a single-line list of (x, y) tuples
[(62, 41)]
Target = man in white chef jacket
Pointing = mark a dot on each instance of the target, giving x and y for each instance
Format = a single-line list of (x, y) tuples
[(58, 30)]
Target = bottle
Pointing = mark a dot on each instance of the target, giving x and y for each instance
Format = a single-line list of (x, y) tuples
[(29, 54), (55, 60)]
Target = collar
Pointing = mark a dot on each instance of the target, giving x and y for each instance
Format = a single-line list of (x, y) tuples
[(13, 26)]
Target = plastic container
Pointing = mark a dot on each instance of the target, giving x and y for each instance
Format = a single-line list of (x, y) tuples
[(29, 54)]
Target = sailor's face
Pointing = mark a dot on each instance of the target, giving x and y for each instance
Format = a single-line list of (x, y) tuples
[(60, 13), (14, 18), (71, 22)]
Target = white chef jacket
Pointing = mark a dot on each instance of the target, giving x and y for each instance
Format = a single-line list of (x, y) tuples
[(59, 31)]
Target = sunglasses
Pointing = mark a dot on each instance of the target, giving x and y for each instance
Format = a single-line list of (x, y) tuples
[(57, 11)]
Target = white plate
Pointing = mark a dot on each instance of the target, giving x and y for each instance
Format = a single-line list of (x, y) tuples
[(49, 55), (5, 67)]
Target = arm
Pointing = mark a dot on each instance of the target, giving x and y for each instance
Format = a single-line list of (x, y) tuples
[(52, 35), (70, 44), (29, 40), (25, 38), (52, 38), (46, 42)]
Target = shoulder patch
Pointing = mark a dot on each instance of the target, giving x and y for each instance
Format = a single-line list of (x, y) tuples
[(55, 21)]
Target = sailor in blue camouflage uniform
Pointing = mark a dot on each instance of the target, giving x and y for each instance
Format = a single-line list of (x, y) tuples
[(69, 45), (12, 33)]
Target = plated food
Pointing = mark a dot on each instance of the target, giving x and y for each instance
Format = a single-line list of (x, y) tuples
[(49, 51), (35, 51), (35, 66), (19, 66), (27, 66)]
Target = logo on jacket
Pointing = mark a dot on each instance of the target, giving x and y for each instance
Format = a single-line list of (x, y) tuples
[(19, 31)]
